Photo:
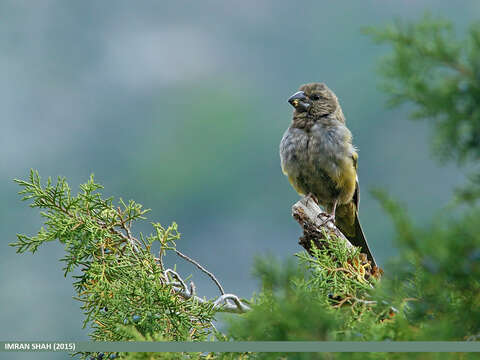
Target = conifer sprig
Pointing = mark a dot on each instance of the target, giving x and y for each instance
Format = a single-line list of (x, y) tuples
[(118, 279)]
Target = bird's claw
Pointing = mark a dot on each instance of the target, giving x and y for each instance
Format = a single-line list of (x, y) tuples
[(329, 217), (309, 197)]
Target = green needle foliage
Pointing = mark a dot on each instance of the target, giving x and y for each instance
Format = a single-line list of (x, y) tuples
[(120, 283), (317, 299), (439, 74)]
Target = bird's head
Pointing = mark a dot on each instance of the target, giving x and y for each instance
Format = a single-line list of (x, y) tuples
[(315, 100)]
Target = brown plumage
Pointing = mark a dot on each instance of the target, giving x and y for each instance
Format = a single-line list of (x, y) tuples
[(318, 157)]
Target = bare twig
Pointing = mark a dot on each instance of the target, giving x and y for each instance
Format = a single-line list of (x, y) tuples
[(220, 304), (132, 240), (193, 288), (183, 256), (160, 258), (228, 306), (177, 277), (366, 302), (341, 302), (128, 238)]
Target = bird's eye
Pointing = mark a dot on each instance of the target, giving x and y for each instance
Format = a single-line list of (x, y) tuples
[(315, 97)]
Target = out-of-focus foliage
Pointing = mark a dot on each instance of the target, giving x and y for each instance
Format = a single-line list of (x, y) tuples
[(440, 272), (440, 74), (333, 278)]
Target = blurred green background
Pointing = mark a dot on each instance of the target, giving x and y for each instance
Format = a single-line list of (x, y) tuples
[(181, 106)]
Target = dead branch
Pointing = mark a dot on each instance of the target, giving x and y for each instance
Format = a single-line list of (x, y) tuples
[(214, 279), (312, 220), (224, 303), (318, 231)]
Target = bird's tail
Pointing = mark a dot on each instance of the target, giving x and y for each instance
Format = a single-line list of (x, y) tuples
[(359, 240)]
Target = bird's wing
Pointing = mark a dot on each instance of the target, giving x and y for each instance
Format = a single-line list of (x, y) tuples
[(358, 239), (356, 194)]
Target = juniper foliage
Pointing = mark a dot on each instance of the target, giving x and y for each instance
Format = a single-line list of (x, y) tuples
[(438, 73), (120, 283)]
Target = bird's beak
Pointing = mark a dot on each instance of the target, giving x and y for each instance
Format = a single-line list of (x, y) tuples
[(299, 101)]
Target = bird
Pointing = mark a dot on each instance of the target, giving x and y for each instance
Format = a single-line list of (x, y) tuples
[(319, 159)]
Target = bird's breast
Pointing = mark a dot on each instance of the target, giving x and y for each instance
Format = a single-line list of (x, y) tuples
[(319, 161)]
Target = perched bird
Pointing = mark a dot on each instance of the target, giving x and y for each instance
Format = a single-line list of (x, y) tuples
[(319, 159)]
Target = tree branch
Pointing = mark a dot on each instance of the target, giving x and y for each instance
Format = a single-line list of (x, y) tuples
[(312, 220), (318, 231), (214, 279), (223, 303)]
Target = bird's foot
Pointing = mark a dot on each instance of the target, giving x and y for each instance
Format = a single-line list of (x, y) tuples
[(309, 197), (326, 218)]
